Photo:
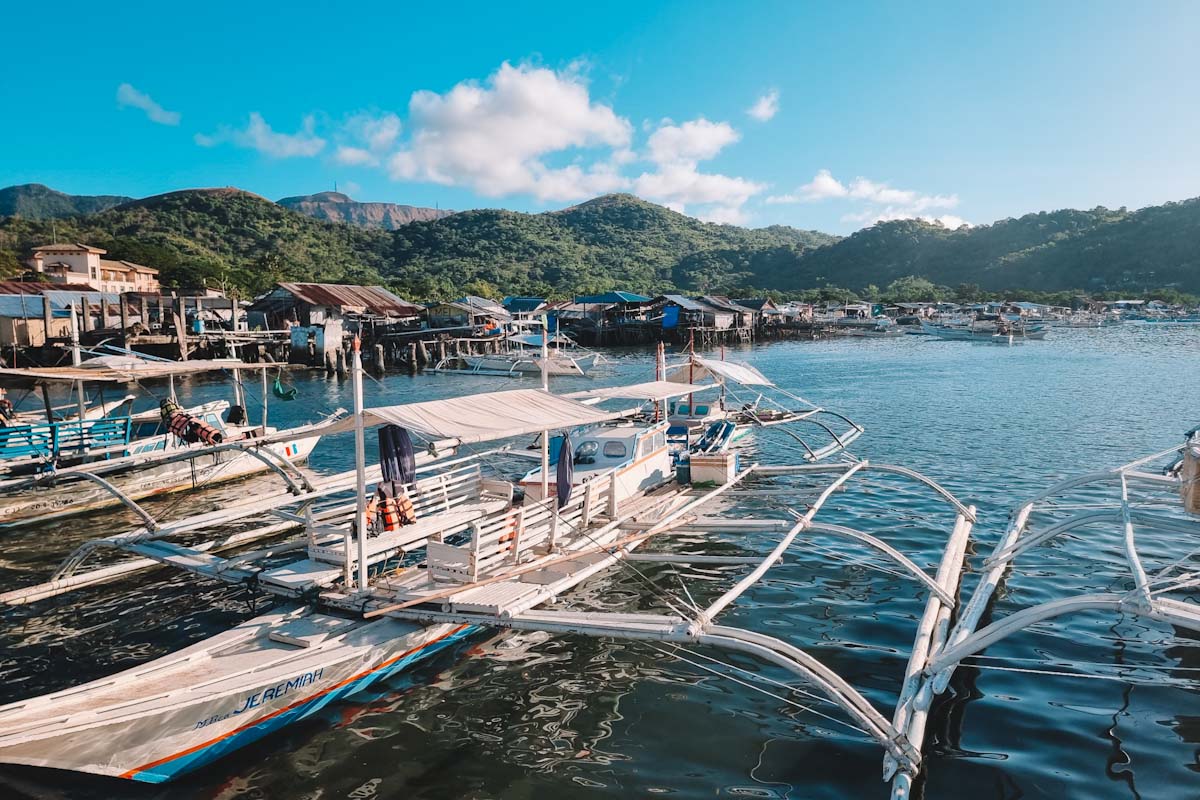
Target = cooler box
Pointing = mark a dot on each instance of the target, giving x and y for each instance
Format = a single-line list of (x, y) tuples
[(718, 468)]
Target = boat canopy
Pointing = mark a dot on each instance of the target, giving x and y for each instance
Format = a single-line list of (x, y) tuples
[(652, 391), (484, 417), (118, 369), (729, 370), (535, 339)]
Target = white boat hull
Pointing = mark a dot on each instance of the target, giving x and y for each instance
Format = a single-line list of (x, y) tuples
[(185, 710), (80, 497)]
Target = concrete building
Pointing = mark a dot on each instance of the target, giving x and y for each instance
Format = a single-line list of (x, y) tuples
[(81, 263)]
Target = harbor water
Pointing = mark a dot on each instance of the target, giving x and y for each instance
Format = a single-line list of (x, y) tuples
[(536, 716)]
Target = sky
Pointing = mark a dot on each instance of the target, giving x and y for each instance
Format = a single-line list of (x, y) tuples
[(829, 116)]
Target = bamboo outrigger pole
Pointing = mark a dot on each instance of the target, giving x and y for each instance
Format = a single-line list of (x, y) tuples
[(360, 466)]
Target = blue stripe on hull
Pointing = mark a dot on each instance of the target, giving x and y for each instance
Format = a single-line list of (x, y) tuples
[(172, 769)]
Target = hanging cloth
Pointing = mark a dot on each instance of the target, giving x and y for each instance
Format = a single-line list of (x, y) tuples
[(283, 391), (397, 460), (564, 471)]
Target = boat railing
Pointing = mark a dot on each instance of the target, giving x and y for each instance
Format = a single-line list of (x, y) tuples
[(514, 535), (52, 440)]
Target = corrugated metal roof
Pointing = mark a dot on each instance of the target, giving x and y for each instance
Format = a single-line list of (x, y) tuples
[(686, 303), (523, 305), (723, 302), (16, 306), (612, 297), (374, 299)]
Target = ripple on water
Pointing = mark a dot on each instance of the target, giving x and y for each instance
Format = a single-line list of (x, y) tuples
[(532, 715)]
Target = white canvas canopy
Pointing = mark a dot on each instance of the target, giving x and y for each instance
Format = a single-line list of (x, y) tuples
[(652, 391), (119, 369), (484, 417), (708, 368)]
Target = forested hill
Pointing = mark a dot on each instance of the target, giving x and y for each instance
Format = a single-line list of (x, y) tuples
[(245, 242), (35, 201), (1094, 250)]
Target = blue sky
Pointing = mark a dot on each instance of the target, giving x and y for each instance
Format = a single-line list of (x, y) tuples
[(826, 116)]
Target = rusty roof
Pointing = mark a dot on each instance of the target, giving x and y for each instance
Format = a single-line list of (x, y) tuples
[(373, 299)]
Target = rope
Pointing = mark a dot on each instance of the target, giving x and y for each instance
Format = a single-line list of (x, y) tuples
[(752, 687)]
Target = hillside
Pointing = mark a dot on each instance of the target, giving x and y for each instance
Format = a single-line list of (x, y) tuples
[(225, 236), (337, 207), (35, 201), (1095, 250), (243, 241)]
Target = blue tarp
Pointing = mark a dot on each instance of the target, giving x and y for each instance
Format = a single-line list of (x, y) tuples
[(670, 316)]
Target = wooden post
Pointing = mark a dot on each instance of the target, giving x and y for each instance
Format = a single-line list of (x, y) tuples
[(47, 319), (85, 313), (103, 314), (412, 357), (162, 315), (180, 328), (379, 359), (124, 318)]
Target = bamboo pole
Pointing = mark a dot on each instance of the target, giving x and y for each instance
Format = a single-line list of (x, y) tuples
[(360, 468)]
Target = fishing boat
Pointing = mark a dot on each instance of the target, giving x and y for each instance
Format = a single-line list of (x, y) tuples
[(526, 356), (475, 558), (866, 327), (58, 469), (751, 401), (991, 331)]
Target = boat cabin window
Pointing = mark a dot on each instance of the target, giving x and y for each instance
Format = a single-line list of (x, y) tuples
[(701, 411), (586, 452), (681, 408), (615, 450)]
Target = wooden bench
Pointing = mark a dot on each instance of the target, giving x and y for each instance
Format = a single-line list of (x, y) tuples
[(445, 504)]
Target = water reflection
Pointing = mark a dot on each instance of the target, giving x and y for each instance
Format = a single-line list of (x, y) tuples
[(535, 716)]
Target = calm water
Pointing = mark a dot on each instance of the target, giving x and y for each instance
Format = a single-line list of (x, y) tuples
[(531, 716)]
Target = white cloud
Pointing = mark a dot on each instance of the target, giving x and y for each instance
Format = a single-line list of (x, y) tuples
[(765, 107), (258, 135), (677, 181), (373, 137), (354, 156), (129, 97), (877, 202), (690, 142), (494, 137)]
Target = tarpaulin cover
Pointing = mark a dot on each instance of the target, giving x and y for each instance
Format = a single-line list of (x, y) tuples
[(729, 370), (649, 391), (119, 369), (484, 417)]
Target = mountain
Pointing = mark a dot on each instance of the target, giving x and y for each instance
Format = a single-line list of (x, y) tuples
[(337, 207), (35, 201), (1095, 250), (245, 242)]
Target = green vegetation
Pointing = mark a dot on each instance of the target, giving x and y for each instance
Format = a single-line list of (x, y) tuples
[(246, 243), (35, 201)]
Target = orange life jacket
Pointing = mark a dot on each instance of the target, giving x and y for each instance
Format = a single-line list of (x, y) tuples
[(388, 510)]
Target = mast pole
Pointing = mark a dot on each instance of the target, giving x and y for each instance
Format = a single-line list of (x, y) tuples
[(76, 360), (264, 401), (545, 355), (692, 370), (360, 468)]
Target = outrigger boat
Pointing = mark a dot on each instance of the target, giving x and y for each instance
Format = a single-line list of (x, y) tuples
[(58, 469), (1134, 528), (358, 606), (529, 355), (757, 402)]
